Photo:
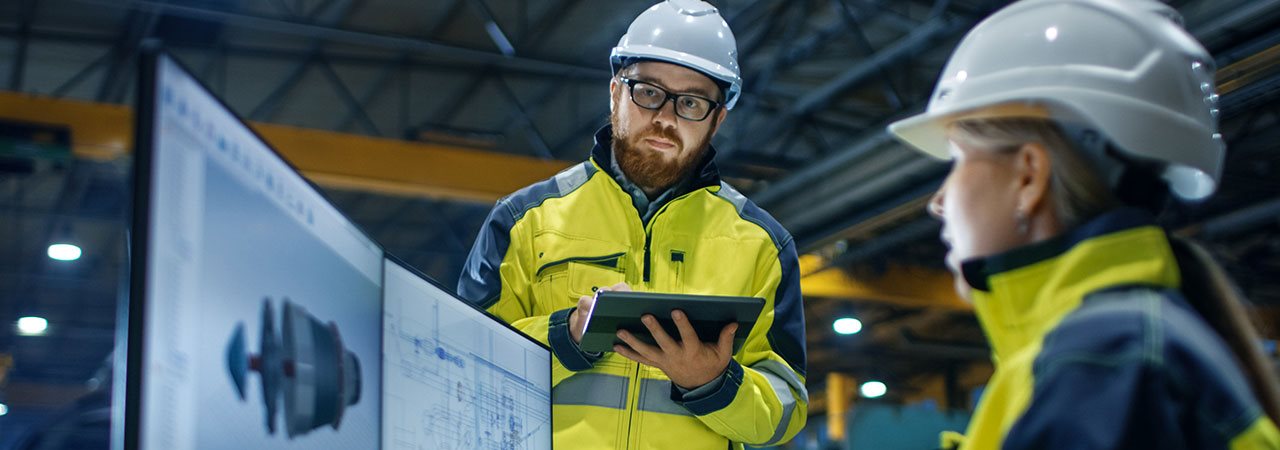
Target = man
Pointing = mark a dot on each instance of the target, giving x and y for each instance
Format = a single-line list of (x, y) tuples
[(649, 212)]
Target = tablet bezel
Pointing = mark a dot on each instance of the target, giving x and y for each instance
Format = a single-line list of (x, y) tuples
[(614, 310)]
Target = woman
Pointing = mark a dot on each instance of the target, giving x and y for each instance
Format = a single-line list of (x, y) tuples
[(1068, 124)]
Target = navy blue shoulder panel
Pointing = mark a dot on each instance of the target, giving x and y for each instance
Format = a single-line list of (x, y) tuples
[(560, 185), (1134, 368), (786, 336), (480, 282)]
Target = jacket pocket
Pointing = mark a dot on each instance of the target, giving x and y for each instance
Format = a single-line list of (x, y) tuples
[(561, 282)]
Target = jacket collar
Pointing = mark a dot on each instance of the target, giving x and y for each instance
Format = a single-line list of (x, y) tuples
[(1021, 294), (705, 174)]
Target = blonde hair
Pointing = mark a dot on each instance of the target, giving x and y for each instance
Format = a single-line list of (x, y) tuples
[(1079, 193)]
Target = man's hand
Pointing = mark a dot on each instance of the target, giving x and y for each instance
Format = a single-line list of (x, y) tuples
[(690, 363), (578, 322)]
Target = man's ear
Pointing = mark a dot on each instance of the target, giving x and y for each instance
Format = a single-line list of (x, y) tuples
[(614, 85), (720, 115), (1034, 173)]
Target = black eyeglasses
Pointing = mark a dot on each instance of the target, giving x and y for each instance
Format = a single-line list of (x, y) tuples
[(691, 107)]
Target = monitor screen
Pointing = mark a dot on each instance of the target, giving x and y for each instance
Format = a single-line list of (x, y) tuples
[(256, 303), (455, 377)]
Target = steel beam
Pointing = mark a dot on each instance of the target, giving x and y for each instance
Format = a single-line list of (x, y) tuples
[(541, 101), (822, 169), (534, 136), (354, 105), (414, 63), (781, 58), (543, 27), (115, 82), (904, 234), (491, 28), (909, 45), (1242, 220), (79, 76), (267, 107), (379, 84), (329, 34), (451, 13), (892, 18), (25, 12)]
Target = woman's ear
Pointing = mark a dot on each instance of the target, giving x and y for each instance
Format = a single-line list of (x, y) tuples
[(1034, 173)]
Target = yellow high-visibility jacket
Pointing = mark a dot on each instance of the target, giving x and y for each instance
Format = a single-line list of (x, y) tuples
[(1095, 348), (549, 243)]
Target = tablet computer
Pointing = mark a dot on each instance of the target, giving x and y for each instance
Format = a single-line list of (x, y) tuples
[(621, 310)]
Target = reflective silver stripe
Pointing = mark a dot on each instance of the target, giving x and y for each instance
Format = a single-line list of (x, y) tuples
[(591, 389), (784, 372), (655, 396), (785, 384), (788, 405), (738, 200), (570, 179)]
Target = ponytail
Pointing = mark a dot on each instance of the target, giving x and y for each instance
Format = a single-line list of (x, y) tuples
[(1217, 299)]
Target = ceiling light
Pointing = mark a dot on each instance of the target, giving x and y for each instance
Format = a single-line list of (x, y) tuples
[(847, 325), (32, 326), (64, 252), (873, 389)]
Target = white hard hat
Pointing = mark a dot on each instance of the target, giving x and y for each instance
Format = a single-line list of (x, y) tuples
[(1123, 68), (690, 33)]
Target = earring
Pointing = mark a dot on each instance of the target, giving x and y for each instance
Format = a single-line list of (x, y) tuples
[(1023, 222)]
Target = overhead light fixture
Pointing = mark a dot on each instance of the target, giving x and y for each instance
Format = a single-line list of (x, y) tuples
[(32, 326), (64, 252), (4, 409), (847, 325), (873, 389)]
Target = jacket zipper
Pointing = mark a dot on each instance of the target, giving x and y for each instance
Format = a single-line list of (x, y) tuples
[(648, 231), (635, 377), (648, 239), (633, 402)]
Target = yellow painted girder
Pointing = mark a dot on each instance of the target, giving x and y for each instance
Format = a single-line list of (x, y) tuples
[(905, 286), (105, 132)]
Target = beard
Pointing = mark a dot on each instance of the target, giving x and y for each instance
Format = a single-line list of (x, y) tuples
[(651, 169)]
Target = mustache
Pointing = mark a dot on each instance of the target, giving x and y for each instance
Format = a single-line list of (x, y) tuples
[(655, 130)]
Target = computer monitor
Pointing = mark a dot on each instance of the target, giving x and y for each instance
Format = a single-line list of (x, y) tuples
[(455, 377), (254, 317)]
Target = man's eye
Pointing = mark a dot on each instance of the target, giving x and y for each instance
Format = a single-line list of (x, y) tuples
[(691, 103), (649, 92)]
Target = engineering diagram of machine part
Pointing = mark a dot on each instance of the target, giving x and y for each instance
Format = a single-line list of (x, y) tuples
[(307, 365)]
